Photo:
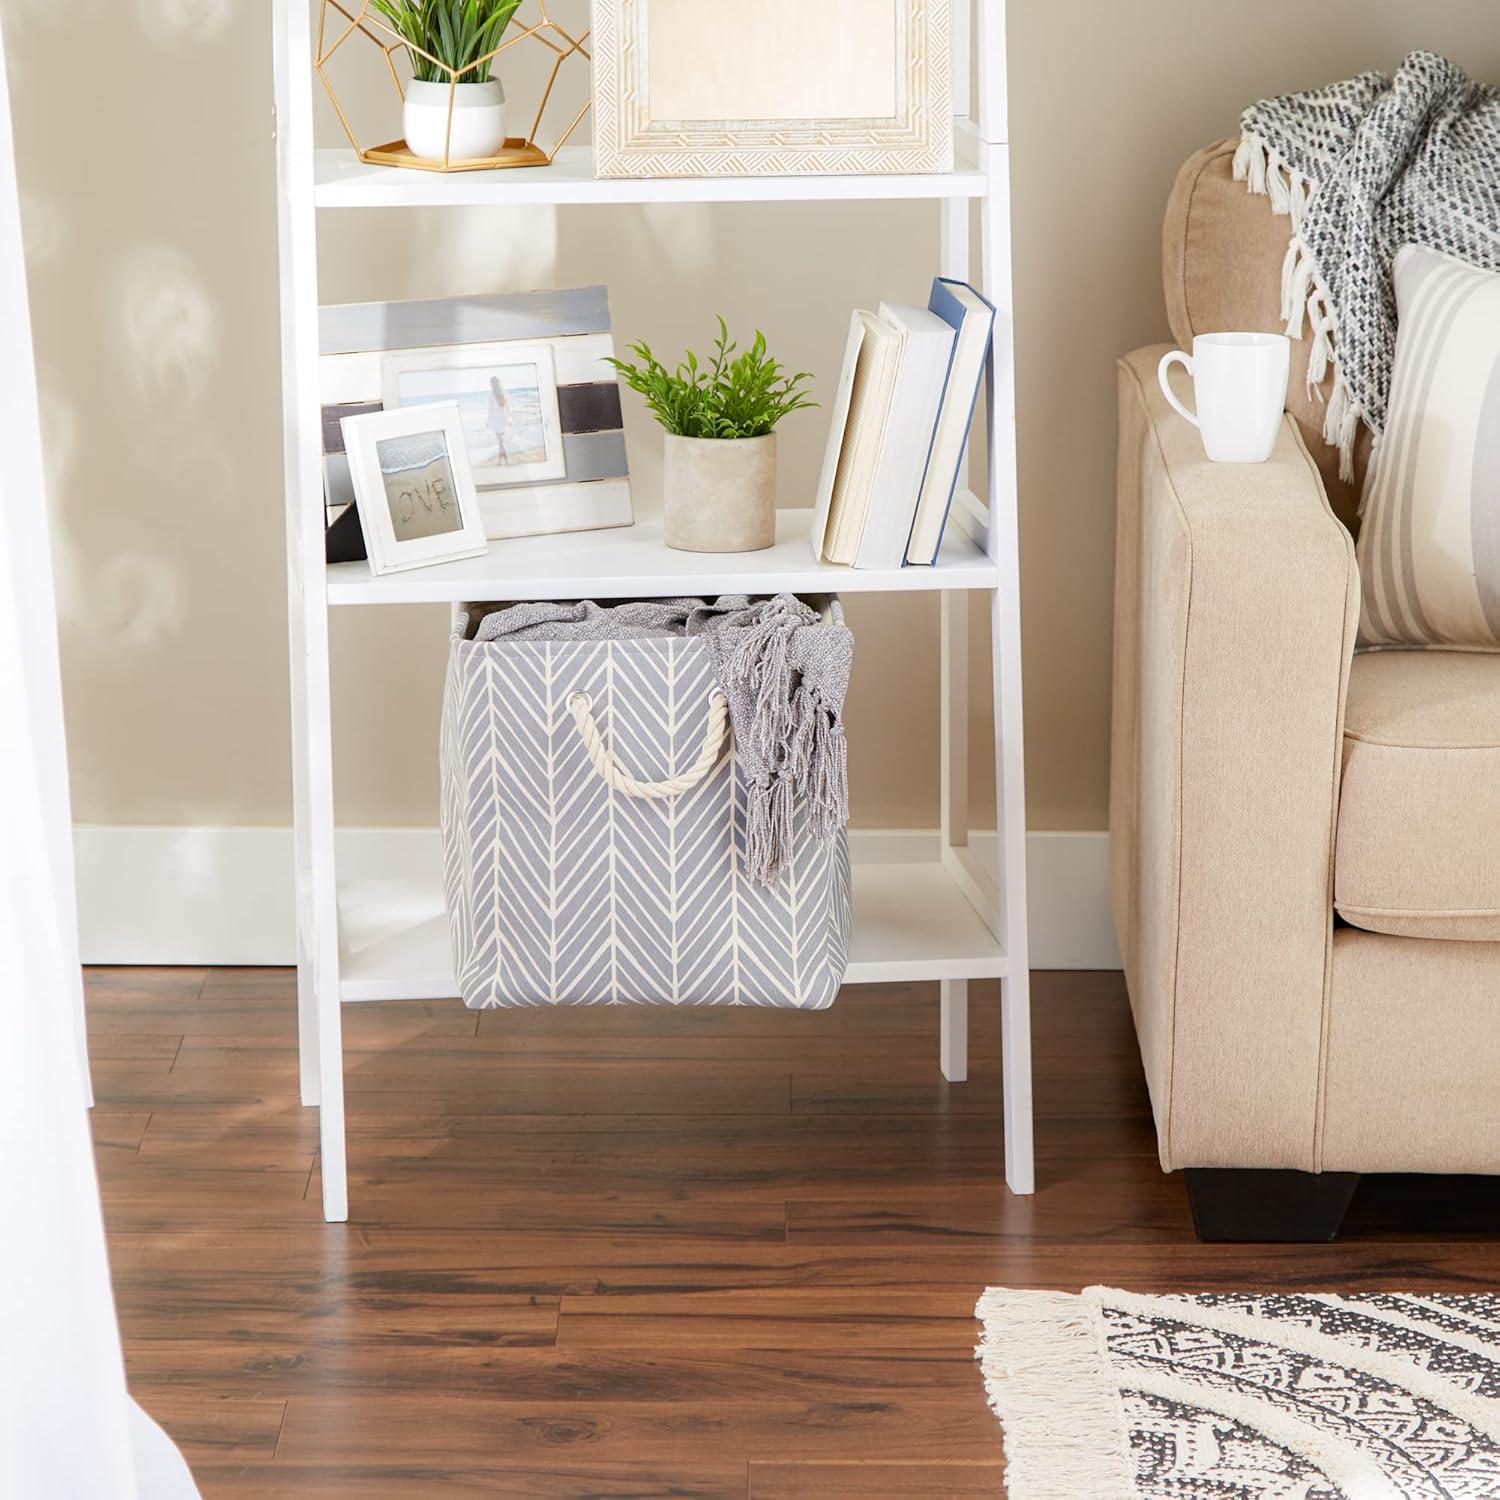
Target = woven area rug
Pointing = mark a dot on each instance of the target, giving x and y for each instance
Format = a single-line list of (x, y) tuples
[(1297, 1397)]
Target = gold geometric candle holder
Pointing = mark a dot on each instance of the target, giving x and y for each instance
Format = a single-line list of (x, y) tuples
[(358, 20)]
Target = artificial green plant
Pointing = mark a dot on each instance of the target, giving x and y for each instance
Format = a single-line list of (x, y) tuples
[(455, 32), (732, 395)]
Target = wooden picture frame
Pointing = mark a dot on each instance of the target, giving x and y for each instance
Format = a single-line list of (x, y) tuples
[(710, 88), (413, 487), (365, 349)]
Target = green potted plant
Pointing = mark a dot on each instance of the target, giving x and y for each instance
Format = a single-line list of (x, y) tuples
[(719, 475), (451, 44)]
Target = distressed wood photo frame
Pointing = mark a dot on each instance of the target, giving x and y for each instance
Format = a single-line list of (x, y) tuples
[(715, 88), (377, 356)]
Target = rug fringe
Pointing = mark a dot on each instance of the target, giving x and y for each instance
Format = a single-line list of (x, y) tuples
[(1046, 1373)]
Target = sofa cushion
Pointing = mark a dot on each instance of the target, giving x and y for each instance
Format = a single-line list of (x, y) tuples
[(1222, 251), (1411, 1057), (1418, 851)]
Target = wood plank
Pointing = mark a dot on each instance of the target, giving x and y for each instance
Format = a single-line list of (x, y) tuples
[(1061, 1094), (468, 1432), (272, 1020), (214, 1427), (419, 1193), (442, 1311), (149, 1047), (548, 1264), (460, 1081), (863, 1050), (119, 1130), (145, 992), (884, 1319), (141, 1195), (1079, 1200), (211, 1139), (280, 1365), (546, 1479), (870, 1481), (741, 1156)]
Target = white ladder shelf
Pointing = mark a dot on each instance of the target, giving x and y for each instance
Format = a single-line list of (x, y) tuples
[(381, 934)]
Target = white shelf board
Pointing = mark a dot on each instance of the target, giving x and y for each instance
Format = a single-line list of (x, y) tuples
[(634, 562), (911, 922), (343, 181)]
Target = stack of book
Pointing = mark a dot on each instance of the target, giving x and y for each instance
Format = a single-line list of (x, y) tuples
[(900, 422)]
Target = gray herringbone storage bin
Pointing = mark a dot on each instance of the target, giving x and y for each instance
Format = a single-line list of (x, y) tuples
[(566, 889)]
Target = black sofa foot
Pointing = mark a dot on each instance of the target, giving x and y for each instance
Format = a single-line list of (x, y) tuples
[(1251, 1204)]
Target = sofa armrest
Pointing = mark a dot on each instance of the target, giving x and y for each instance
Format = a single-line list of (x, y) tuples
[(1236, 603)]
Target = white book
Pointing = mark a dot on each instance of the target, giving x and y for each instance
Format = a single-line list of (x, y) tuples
[(871, 360), (926, 353), (837, 425)]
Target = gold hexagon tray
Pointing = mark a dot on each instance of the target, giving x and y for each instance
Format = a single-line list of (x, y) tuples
[(516, 152)]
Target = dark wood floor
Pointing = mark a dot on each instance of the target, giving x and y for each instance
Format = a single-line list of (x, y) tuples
[(637, 1253)]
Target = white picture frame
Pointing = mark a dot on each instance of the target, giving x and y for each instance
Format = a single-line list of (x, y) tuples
[(413, 487), (717, 88), (506, 394)]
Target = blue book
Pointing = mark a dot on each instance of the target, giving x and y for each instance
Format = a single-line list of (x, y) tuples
[(973, 322)]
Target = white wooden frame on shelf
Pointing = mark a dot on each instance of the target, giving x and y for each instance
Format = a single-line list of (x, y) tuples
[(374, 935)]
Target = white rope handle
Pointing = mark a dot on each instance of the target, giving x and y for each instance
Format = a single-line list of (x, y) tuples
[(714, 743)]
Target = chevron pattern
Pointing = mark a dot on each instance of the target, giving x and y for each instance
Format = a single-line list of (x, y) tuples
[(562, 891)]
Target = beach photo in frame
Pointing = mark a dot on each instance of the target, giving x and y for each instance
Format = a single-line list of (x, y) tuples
[(547, 350), (709, 88), (413, 487), (507, 396)]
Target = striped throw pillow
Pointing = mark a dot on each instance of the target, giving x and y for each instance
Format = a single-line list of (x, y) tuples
[(1429, 541)]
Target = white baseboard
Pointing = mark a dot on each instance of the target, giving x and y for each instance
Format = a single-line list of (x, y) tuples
[(224, 895)]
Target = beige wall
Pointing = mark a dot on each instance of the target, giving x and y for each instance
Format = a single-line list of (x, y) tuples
[(146, 163)]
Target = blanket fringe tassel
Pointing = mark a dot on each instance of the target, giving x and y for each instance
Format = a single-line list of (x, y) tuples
[(1305, 303), (1047, 1376)]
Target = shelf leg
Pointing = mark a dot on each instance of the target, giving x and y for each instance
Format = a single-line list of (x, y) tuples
[(954, 233), (954, 693), (316, 823), (953, 1033), (954, 684), (319, 917), (1010, 804), (319, 1020), (1005, 641), (333, 1162), (954, 1047), (307, 989)]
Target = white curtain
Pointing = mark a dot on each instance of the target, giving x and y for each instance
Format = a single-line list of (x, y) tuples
[(68, 1430)]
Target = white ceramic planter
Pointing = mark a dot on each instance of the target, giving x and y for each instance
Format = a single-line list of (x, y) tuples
[(720, 494), (478, 120)]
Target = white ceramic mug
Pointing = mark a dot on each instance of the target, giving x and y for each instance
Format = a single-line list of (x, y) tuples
[(1239, 382)]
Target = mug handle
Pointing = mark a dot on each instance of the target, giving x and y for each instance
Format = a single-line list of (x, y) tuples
[(1166, 390)]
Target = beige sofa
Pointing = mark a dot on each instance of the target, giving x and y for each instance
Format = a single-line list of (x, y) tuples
[(1305, 842)]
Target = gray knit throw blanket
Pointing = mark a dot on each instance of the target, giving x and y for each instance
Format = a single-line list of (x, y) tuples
[(1364, 167), (783, 668)]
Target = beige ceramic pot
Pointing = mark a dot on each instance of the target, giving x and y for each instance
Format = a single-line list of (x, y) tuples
[(720, 493)]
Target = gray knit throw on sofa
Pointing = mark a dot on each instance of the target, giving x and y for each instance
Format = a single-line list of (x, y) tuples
[(1364, 167), (783, 668)]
